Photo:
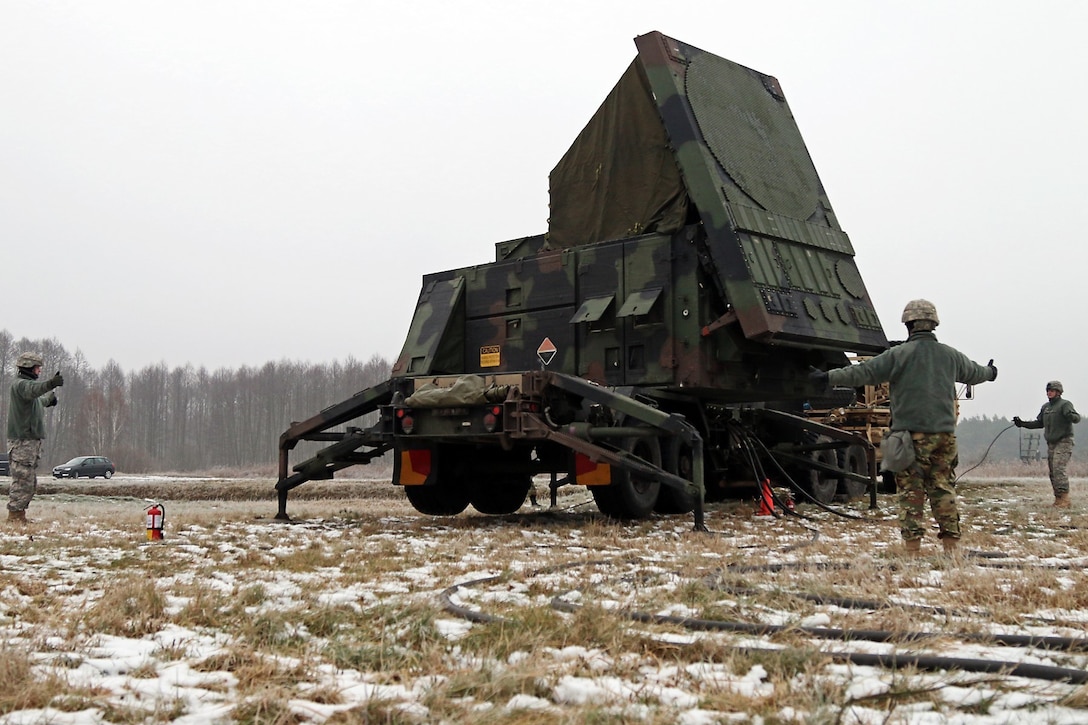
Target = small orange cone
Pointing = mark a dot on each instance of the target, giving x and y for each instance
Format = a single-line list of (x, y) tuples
[(766, 499)]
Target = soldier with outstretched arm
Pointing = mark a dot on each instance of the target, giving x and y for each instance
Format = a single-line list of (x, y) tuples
[(1056, 418), (26, 428), (922, 374)]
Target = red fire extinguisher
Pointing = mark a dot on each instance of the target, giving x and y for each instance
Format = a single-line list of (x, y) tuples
[(156, 517)]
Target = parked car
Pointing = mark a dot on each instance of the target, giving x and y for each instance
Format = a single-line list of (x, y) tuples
[(5, 468), (88, 466)]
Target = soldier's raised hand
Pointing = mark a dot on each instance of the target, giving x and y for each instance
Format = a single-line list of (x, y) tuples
[(57, 380)]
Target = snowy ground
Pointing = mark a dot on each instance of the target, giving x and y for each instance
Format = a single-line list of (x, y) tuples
[(367, 611)]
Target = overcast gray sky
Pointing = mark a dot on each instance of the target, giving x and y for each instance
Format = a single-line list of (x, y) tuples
[(232, 183)]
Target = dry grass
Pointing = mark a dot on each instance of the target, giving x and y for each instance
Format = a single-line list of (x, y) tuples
[(347, 599)]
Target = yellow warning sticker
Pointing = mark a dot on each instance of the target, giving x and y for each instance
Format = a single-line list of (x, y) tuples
[(489, 356)]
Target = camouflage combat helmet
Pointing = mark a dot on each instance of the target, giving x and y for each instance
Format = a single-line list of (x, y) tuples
[(28, 360), (920, 311), (1055, 385)]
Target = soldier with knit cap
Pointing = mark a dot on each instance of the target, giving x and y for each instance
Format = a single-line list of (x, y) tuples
[(922, 374), (26, 429), (1056, 418)]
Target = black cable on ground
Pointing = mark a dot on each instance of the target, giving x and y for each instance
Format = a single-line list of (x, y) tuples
[(1069, 644), (844, 602), (1066, 644), (890, 661), (893, 661), (473, 615)]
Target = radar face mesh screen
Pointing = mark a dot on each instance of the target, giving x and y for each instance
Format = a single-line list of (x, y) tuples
[(753, 136)]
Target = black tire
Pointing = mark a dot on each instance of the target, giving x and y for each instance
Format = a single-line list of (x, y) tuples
[(629, 497), (499, 481), (669, 499), (501, 495), (437, 500), (449, 494), (854, 460), (107, 475), (818, 484)]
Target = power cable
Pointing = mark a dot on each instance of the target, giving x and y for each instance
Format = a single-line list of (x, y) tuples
[(892, 661), (801, 490)]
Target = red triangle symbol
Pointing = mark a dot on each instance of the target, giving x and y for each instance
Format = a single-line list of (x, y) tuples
[(546, 351)]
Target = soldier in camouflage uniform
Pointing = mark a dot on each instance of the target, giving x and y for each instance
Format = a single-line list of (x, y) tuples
[(26, 429), (1056, 418), (922, 374)]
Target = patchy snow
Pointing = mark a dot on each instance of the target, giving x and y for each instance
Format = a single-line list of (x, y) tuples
[(1025, 574)]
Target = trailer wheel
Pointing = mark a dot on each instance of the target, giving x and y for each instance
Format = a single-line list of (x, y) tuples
[(819, 484), (500, 485), (449, 495), (437, 500), (669, 499), (499, 496), (855, 460), (628, 496)]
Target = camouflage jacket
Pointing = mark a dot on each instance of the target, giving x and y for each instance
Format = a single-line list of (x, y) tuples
[(1056, 418), (922, 373), (26, 409)]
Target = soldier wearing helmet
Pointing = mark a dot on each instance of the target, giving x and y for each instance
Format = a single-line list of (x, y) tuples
[(26, 428), (922, 374), (1056, 418)]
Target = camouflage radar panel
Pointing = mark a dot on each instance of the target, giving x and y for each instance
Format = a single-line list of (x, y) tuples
[(688, 137)]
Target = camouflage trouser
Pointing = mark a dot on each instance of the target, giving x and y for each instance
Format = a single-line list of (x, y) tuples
[(1057, 459), (930, 476), (23, 460)]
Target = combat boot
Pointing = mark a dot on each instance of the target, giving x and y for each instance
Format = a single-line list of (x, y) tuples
[(951, 545), (1061, 500), (17, 517), (913, 547)]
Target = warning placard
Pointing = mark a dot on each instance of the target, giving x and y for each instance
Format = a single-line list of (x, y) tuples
[(546, 351), (489, 356)]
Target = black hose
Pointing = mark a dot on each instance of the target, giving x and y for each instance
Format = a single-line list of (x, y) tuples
[(761, 475), (801, 489), (472, 615), (890, 661), (1069, 644), (844, 602)]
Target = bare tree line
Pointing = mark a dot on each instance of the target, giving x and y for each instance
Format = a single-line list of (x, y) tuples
[(181, 419)]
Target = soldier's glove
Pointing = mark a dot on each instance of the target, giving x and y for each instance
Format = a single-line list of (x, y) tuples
[(1017, 422), (817, 376), (56, 381), (52, 401), (992, 367)]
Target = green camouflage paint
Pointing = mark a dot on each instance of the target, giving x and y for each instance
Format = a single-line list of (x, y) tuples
[(734, 305)]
